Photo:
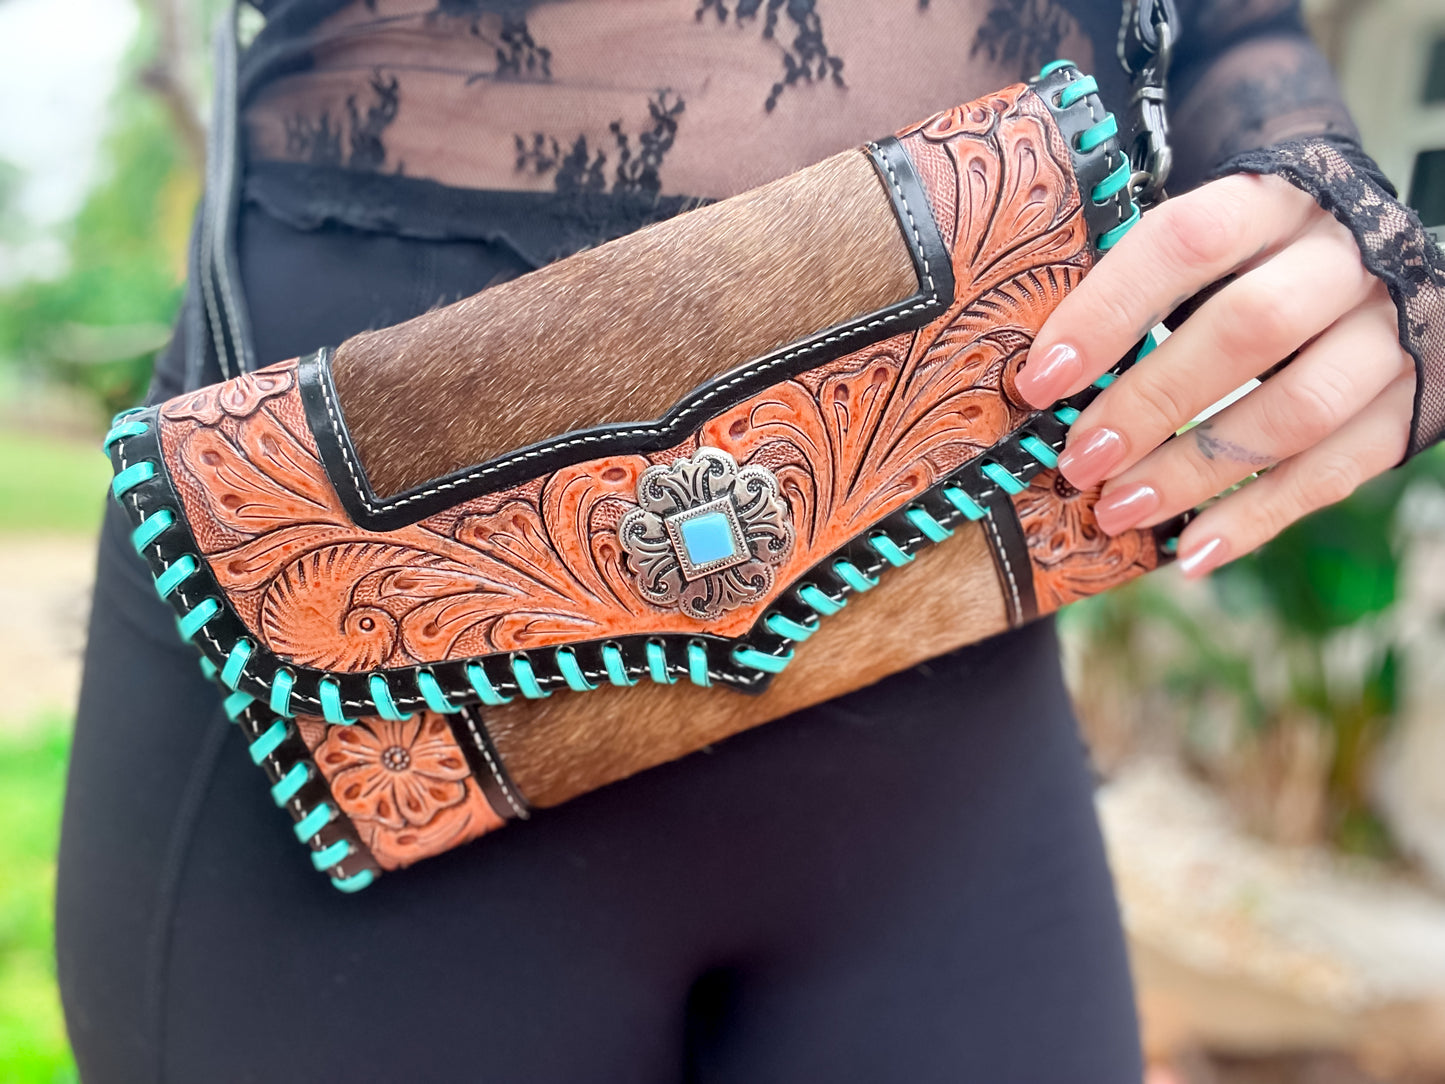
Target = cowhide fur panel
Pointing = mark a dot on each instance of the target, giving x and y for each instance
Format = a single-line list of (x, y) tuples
[(619, 333)]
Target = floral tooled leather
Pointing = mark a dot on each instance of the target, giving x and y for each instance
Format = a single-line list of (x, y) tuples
[(541, 564), (1072, 557), (404, 784)]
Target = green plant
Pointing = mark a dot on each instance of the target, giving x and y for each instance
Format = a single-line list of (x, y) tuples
[(1284, 674), (1321, 580), (33, 1048)]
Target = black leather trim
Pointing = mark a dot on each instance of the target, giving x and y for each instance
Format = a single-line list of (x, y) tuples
[(254, 721), (931, 262), (1092, 167), (469, 728), (1010, 551)]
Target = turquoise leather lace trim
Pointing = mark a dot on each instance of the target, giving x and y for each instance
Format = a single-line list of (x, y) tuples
[(571, 671), (697, 664), (431, 692), (381, 694), (281, 684), (330, 694)]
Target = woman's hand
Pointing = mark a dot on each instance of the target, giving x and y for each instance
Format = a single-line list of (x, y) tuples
[(1336, 415)]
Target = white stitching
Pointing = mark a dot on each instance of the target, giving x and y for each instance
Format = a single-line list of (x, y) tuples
[(742, 375), (492, 764), (912, 224), (874, 568), (1007, 567), (180, 592), (1119, 203), (293, 806)]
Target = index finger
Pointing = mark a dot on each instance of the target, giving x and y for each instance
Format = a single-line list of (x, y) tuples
[(1176, 250)]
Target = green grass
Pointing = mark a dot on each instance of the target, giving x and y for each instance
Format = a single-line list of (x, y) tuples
[(51, 484), (33, 1048), (47, 484)]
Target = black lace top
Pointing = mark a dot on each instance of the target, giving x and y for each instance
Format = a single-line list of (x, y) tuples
[(399, 114), (706, 98)]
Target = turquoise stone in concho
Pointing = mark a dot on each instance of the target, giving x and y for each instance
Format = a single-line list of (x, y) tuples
[(708, 538), (706, 534)]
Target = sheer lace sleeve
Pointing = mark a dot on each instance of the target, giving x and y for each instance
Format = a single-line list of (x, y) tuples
[(1246, 75), (1394, 246), (1253, 95)]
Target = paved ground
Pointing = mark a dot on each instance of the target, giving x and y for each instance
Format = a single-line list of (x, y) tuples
[(1245, 946), (44, 596)]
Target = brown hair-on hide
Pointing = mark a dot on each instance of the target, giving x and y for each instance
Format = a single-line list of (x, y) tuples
[(621, 332), (571, 743)]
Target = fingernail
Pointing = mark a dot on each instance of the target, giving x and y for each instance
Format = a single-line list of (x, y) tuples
[(1045, 379), (1091, 456), (1203, 559), (1123, 508)]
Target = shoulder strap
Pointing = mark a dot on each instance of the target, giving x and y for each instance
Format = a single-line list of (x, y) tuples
[(1148, 34)]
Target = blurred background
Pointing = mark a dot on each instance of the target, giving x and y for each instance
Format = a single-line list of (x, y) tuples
[(1270, 745)]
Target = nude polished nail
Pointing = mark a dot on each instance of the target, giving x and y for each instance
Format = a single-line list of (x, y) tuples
[(1046, 379), (1204, 558), (1091, 456), (1125, 507)]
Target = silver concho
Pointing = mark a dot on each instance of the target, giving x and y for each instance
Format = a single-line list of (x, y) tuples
[(707, 535)]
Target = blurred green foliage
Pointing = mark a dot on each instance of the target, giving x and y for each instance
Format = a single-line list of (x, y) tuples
[(1335, 571), (97, 325), (46, 484), (1301, 630), (94, 327)]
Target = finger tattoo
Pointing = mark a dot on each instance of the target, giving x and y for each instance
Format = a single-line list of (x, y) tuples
[(1212, 446)]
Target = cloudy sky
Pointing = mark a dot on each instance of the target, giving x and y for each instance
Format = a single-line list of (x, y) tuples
[(58, 63)]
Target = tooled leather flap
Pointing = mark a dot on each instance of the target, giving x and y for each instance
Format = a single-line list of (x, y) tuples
[(704, 547), (931, 262)]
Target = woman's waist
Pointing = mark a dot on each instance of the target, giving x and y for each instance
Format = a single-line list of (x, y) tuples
[(644, 97)]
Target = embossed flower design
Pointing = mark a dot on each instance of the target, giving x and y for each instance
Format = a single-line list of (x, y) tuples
[(707, 535), (1073, 557), (394, 773)]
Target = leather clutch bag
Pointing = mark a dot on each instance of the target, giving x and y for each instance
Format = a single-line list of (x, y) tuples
[(659, 492)]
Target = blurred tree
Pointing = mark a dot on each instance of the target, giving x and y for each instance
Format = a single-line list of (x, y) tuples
[(174, 71), (97, 325)]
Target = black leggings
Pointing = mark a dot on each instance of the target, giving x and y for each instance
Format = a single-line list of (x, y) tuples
[(907, 884)]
